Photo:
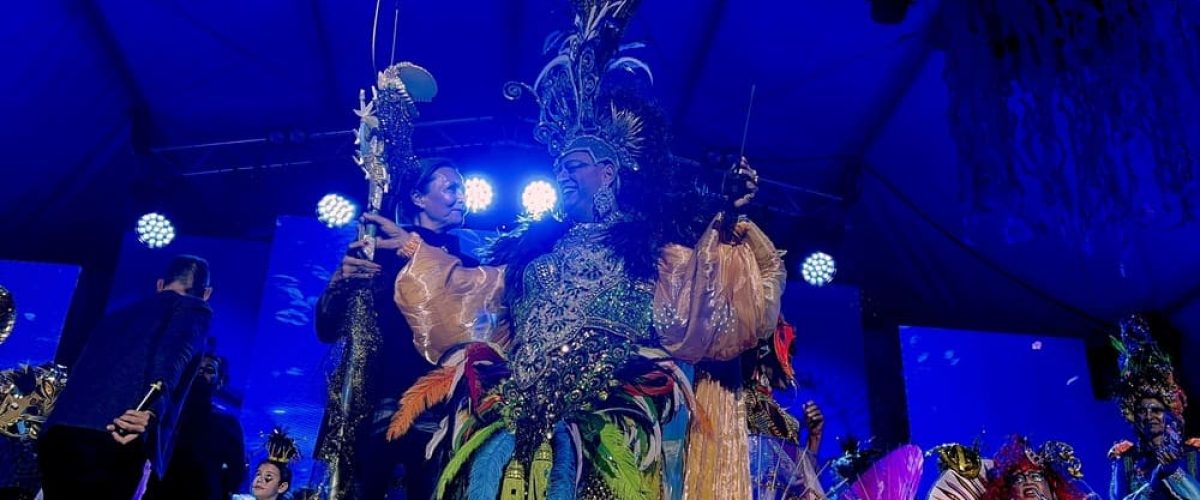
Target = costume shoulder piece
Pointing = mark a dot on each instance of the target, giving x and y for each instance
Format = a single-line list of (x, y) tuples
[(964, 460), (962, 472)]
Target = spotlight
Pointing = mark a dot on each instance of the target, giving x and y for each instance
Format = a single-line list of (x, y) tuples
[(154, 230), (818, 269), (538, 198), (478, 194), (334, 210)]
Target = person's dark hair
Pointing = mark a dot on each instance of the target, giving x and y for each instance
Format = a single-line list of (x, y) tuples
[(222, 366), (183, 267), (419, 183)]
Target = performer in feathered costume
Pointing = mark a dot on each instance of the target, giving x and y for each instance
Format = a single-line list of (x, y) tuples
[(780, 465), (1161, 464), (1022, 473), (1017, 472), (559, 361)]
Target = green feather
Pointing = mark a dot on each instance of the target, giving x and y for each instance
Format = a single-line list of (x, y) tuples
[(1118, 345), (463, 454), (617, 465)]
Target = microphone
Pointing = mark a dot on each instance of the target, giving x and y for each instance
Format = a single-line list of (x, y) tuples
[(149, 399)]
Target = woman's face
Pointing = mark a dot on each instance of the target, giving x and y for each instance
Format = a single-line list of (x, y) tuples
[(268, 483), (1030, 485), (443, 204)]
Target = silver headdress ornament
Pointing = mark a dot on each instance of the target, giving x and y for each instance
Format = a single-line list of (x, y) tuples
[(576, 114)]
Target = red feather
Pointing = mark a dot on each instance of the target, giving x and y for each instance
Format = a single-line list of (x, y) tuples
[(478, 355), (651, 384), (785, 334)]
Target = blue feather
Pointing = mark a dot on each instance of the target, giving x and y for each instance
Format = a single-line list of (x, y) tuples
[(562, 472), (487, 468)]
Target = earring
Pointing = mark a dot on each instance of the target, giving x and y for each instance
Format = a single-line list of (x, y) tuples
[(604, 204)]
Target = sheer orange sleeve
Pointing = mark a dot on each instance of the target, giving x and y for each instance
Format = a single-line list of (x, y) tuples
[(447, 304), (718, 299)]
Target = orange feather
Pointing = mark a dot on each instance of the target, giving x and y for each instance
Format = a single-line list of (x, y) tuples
[(429, 390)]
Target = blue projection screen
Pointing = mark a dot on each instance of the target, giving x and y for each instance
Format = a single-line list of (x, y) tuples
[(42, 293)]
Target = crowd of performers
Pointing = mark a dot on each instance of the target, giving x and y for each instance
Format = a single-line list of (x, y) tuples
[(548, 366)]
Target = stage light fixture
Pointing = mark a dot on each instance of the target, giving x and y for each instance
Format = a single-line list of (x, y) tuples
[(818, 269), (538, 198), (334, 210), (479, 194), (154, 230)]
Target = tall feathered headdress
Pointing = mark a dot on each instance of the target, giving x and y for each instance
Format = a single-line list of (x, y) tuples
[(1146, 370), (281, 448), (578, 113)]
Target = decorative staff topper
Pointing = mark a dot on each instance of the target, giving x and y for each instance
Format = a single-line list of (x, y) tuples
[(384, 134)]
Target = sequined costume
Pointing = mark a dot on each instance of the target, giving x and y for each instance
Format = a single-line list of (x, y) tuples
[(1137, 474), (580, 367), (1149, 396), (559, 360)]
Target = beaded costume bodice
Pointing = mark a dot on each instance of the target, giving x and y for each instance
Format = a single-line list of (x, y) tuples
[(580, 318)]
